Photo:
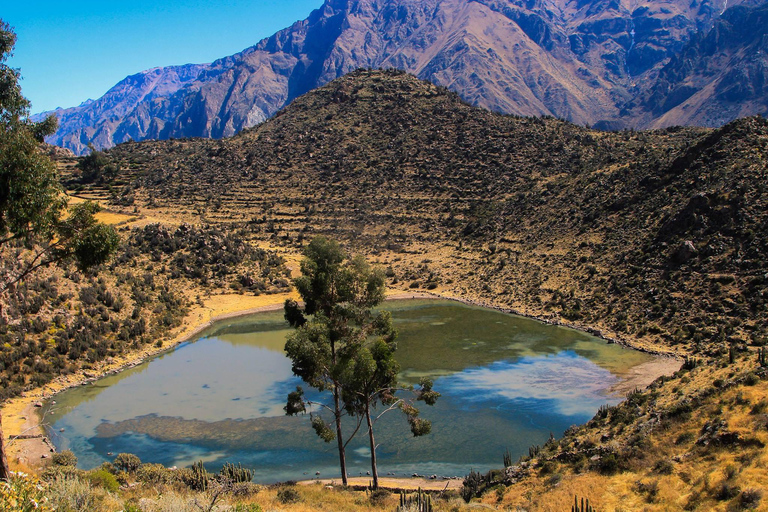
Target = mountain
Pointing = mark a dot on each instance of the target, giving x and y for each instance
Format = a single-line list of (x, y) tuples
[(658, 235), (580, 60), (718, 76)]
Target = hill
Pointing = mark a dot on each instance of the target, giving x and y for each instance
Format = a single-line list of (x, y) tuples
[(656, 237), (586, 62)]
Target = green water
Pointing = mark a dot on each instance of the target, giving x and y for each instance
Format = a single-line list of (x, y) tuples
[(506, 381)]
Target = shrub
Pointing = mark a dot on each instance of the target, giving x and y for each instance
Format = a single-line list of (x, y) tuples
[(154, 474), (65, 458), (72, 494), (751, 379), (750, 498), (127, 462), (22, 493), (664, 467), (103, 479), (288, 495)]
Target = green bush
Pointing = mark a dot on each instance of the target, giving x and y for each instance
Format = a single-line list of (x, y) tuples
[(103, 479), (65, 458), (127, 462), (154, 474), (288, 495)]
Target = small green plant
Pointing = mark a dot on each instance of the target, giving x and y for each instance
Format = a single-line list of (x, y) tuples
[(104, 479), (65, 458)]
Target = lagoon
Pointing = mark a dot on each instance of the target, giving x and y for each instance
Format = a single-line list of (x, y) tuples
[(507, 382)]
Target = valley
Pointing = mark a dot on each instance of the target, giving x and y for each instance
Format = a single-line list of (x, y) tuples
[(653, 239)]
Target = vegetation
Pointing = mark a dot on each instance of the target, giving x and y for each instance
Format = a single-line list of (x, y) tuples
[(36, 229), (656, 239), (341, 346)]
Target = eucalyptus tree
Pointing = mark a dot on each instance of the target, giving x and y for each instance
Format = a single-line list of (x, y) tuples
[(334, 291), (343, 347), (36, 228)]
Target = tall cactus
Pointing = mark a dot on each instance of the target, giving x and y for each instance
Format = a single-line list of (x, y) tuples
[(421, 502), (585, 507)]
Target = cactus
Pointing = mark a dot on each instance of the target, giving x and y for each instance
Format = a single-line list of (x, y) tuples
[(197, 477), (421, 502), (585, 507), (507, 458), (236, 474), (690, 363), (533, 451), (731, 355), (762, 356)]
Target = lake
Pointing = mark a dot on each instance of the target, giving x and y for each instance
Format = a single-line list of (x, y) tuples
[(507, 382)]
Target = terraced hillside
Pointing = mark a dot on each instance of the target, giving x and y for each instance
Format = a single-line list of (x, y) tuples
[(658, 237)]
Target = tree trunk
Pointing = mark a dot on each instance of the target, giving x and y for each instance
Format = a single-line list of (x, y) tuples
[(374, 470), (342, 457), (4, 470)]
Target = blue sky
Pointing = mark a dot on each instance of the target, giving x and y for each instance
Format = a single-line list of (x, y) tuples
[(69, 52)]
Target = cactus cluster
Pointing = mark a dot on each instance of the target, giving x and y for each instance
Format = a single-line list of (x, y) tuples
[(420, 502), (584, 507), (690, 363), (236, 474)]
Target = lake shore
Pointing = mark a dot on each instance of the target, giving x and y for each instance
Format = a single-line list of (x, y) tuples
[(21, 415)]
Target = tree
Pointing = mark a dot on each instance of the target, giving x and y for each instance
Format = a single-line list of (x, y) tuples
[(34, 220), (340, 345), (322, 342)]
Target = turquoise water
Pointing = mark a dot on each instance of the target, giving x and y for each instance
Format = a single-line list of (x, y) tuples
[(506, 381)]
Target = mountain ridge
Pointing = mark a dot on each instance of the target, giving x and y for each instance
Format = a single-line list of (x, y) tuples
[(584, 62)]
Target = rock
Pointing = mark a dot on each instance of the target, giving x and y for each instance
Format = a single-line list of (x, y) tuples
[(44, 456), (38, 404), (685, 252)]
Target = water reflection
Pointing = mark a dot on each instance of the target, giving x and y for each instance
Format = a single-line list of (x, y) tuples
[(507, 382)]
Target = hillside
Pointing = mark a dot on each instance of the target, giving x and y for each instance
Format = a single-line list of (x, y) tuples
[(656, 237), (586, 62)]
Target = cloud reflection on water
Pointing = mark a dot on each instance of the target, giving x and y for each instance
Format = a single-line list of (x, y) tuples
[(572, 385)]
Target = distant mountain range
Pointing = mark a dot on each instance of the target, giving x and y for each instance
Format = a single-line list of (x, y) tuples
[(608, 63)]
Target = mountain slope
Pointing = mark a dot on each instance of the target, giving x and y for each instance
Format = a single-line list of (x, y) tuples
[(718, 76), (581, 61), (657, 236)]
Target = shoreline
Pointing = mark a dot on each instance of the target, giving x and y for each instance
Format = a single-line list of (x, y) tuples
[(21, 415)]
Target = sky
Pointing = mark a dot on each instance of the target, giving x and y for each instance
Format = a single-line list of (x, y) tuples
[(71, 51)]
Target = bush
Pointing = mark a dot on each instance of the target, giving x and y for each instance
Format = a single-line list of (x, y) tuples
[(72, 494), (154, 474), (65, 458), (288, 495), (22, 493), (127, 462), (750, 498), (104, 479)]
